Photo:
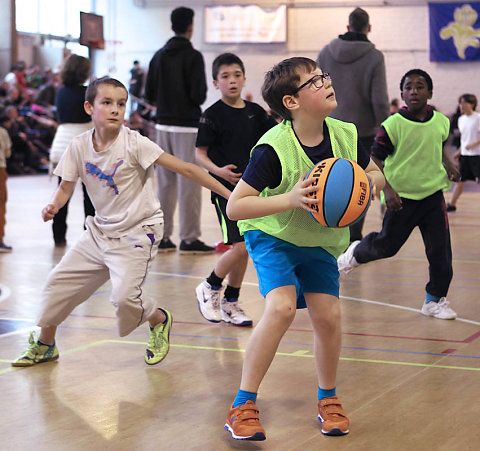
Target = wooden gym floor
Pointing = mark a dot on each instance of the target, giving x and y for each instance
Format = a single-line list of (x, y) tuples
[(407, 382)]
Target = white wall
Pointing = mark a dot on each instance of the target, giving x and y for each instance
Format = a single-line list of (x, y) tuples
[(400, 32), (5, 37)]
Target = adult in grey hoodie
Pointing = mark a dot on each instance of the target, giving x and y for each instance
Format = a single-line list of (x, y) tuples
[(357, 69)]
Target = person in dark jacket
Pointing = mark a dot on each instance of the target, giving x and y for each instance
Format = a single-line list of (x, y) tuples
[(177, 86), (357, 69)]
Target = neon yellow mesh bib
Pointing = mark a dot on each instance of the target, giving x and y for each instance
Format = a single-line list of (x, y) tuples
[(296, 226), (415, 169)]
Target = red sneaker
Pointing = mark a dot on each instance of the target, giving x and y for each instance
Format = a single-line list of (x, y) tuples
[(222, 247), (243, 422), (333, 418)]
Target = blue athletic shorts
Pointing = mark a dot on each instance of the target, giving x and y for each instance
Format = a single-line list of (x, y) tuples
[(279, 263)]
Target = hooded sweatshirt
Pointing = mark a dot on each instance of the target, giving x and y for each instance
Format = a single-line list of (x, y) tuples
[(357, 69), (176, 83)]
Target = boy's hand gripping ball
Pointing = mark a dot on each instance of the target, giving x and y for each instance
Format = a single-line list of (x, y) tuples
[(344, 192)]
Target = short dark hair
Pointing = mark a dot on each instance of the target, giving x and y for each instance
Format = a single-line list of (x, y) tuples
[(92, 89), (226, 59), (282, 80), (358, 20), (75, 70), (469, 98), (181, 19), (421, 73)]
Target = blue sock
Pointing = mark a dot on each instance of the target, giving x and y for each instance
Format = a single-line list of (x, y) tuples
[(326, 393), (244, 396), (431, 298)]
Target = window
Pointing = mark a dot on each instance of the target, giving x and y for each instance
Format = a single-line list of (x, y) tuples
[(57, 18)]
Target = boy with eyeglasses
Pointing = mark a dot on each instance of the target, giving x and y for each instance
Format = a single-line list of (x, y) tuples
[(294, 256)]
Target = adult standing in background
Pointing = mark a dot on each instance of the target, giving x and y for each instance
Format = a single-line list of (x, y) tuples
[(135, 84), (177, 86), (357, 69), (73, 121)]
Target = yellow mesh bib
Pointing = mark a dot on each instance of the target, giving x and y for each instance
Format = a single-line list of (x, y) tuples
[(296, 226)]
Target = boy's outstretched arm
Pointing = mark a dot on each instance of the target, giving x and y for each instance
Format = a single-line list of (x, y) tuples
[(192, 172), (226, 172), (60, 197), (376, 176), (245, 203)]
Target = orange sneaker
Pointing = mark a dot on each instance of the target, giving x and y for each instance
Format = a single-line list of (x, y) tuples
[(333, 418), (243, 422)]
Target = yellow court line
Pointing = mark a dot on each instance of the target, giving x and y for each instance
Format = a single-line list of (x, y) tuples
[(305, 353), (298, 353)]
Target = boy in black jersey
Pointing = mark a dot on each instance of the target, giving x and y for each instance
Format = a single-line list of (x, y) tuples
[(227, 132)]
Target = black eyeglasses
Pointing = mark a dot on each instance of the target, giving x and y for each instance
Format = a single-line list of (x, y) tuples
[(316, 80)]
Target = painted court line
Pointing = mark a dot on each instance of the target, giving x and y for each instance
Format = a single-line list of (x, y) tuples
[(349, 298), (401, 307), (255, 284), (469, 339), (448, 352), (302, 353), (422, 259), (298, 353)]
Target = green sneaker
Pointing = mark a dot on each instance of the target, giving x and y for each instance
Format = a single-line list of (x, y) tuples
[(158, 343), (36, 353)]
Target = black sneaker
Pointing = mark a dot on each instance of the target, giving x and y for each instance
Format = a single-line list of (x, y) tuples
[(4, 248), (195, 247), (451, 207), (166, 246)]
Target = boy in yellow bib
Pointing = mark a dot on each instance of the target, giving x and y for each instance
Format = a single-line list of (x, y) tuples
[(295, 257), (409, 148)]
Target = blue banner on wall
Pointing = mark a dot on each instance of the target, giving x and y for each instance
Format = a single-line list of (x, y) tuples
[(454, 31)]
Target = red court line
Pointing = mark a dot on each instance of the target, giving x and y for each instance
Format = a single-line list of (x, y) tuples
[(472, 337), (398, 337)]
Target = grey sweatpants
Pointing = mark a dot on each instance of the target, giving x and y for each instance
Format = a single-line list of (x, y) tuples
[(173, 187), (93, 260)]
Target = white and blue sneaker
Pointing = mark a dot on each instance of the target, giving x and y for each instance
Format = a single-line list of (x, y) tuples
[(209, 302), (231, 312), (440, 309)]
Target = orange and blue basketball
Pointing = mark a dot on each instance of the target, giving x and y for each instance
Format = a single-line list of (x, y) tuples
[(344, 192)]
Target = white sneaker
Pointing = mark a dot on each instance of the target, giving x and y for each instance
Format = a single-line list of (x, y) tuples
[(232, 313), (440, 309), (346, 261), (208, 302)]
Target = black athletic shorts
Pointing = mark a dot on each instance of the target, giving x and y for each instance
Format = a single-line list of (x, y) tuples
[(469, 168), (230, 231)]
